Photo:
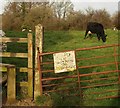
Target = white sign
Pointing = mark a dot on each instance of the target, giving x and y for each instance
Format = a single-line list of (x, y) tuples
[(64, 61)]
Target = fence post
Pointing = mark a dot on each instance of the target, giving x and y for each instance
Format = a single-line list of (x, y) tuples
[(38, 46), (30, 65), (11, 84)]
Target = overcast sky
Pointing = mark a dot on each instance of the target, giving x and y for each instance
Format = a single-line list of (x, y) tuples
[(110, 5)]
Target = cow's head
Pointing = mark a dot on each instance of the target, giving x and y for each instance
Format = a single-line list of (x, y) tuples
[(104, 38)]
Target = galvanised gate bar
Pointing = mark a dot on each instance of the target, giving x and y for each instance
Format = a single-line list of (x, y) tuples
[(97, 75)]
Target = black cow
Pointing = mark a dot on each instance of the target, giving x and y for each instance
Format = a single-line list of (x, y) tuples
[(96, 28)]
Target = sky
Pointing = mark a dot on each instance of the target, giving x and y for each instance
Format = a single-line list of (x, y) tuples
[(110, 5)]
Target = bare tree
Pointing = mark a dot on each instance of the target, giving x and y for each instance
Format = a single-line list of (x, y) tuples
[(101, 16), (116, 20), (53, 15), (62, 9), (89, 13)]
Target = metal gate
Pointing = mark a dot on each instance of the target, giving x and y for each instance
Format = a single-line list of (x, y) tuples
[(96, 77)]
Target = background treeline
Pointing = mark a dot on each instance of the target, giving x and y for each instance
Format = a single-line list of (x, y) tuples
[(53, 16)]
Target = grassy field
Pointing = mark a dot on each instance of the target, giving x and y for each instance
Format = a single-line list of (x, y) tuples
[(70, 40)]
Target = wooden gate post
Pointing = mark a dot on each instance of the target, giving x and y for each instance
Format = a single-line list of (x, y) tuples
[(30, 65), (38, 46), (11, 84)]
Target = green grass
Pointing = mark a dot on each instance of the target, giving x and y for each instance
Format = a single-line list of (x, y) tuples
[(70, 40)]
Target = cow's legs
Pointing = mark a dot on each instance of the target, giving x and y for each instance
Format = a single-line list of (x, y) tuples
[(86, 34), (98, 37), (90, 35)]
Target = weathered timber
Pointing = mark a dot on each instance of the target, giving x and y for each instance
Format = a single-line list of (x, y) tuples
[(23, 69), (30, 65), (7, 54), (6, 39), (24, 84), (11, 82), (38, 48)]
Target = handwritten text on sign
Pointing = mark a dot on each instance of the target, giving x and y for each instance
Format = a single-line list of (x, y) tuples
[(64, 61)]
